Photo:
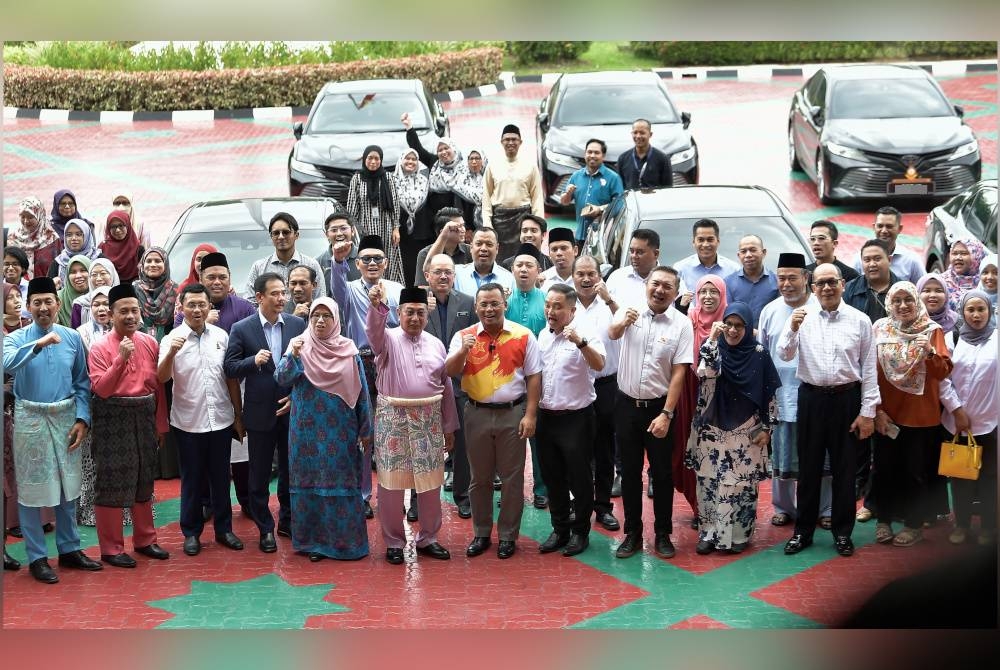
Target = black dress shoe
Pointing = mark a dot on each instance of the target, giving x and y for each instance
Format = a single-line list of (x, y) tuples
[(153, 551), (704, 547), (540, 502), (449, 481), (284, 531), (497, 483), (616, 487), (412, 514), (78, 561), (738, 547), (554, 542), (42, 571), (15, 531), (843, 545), (122, 560), (9, 562), (477, 546), (664, 547), (649, 488), (608, 521), (192, 545), (434, 550), (394, 555), (230, 540), (628, 547), (577, 543), (506, 548), (369, 512), (465, 510), (316, 557), (267, 543), (797, 544)]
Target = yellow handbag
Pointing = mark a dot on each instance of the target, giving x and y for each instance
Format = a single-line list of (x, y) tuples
[(960, 460)]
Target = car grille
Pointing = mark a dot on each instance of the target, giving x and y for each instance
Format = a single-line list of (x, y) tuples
[(680, 178), (326, 189), (875, 180)]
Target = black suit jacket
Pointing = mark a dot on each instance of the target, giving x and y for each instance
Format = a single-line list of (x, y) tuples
[(261, 393), (461, 314), (656, 173)]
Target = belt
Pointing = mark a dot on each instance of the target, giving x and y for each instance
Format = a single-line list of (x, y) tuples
[(607, 379), (830, 390), (497, 405), (652, 402), (562, 412)]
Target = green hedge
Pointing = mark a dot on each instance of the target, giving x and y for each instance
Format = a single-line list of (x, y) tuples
[(747, 53), (294, 85), (545, 52)]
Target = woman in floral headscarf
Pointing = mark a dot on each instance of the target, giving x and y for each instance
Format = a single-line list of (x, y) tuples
[(157, 293), (447, 169), (912, 359), (470, 187), (962, 274), (122, 246), (35, 236), (416, 221)]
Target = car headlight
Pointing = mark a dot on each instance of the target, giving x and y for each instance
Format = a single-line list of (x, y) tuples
[(964, 150), (845, 152), (305, 168), (562, 159), (682, 156)]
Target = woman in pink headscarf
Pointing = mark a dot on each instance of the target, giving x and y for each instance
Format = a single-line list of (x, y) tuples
[(331, 414)]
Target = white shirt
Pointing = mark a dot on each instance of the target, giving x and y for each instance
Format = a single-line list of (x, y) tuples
[(627, 287), (567, 378), (972, 385), (551, 278), (650, 348), (836, 348), (597, 318), (201, 398)]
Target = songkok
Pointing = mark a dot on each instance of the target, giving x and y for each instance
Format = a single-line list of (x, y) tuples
[(371, 242), (511, 128), (42, 285), (413, 295), (214, 259), (120, 292), (529, 250), (561, 235), (790, 260)]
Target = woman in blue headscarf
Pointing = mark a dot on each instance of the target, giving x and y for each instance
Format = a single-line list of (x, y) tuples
[(733, 422), (64, 210)]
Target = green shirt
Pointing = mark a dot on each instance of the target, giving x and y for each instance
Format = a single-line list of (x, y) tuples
[(527, 309)]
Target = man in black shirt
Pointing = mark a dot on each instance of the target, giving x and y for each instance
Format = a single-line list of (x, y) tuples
[(644, 166)]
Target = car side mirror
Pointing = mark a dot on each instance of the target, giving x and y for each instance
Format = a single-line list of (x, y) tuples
[(439, 124), (605, 270), (960, 111), (686, 119), (543, 121), (297, 130)]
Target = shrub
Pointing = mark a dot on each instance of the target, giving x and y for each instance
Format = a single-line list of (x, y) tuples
[(532, 52), (292, 85)]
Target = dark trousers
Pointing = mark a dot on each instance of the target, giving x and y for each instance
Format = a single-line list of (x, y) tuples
[(634, 440), (564, 450), (461, 476), (262, 445), (204, 459), (241, 480), (823, 423), (604, 442), (901, 480), (984, 489), (408, 250)]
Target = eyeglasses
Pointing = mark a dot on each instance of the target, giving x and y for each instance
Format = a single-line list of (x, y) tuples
[(818, 238), (66, 204), (117, 226), (491, 305), (371, 260), (442, 273), (282, 233), (119, 202), (734, 326), (826, 282), (321, 317), (8, 264)]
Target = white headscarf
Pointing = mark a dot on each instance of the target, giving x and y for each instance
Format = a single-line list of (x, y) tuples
[(444, 177), (411, 189)]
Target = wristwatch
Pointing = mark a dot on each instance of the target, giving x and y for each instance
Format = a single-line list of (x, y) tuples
[(583, 343), (668, 412)]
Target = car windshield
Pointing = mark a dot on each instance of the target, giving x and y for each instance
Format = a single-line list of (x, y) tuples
[(614, 105), (887, 99), (778, 237), (366, 113)]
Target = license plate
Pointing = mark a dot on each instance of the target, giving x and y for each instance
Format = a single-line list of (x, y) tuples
[(910, 186)]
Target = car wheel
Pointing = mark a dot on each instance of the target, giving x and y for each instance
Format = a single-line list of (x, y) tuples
[(821, 191), (793, 160)]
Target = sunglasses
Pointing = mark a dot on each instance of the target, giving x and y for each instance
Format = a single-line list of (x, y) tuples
[(371, 260)]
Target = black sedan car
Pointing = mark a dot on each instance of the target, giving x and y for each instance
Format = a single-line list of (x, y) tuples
[(671, 212), (882, 132), (238, 228), (972, 213), (603, 105), (348, 116)]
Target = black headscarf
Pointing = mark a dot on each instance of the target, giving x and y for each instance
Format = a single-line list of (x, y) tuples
[(747, 380), (376, 181)]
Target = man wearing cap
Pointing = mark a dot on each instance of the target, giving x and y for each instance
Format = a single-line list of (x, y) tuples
[(511, 188), (415, 422), (483, 269), (130, 422), (284, 231), (532, 232), (591, 188), (753, 283), (51, 420), (450, 225), (255, 344), (562, 251), (206, 413), (500, 366), (571, 356), (353, 298), (793, 283)]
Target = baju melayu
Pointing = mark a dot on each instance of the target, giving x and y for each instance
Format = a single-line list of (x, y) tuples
[(511, 189), (129, 411), (416, 408), (52, 392)]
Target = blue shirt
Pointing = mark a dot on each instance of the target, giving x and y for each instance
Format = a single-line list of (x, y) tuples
[(756, 294), (352, 297), (272, 333), (691, 270), (468, 281), (593, 189), (57, 372), (527, 309)]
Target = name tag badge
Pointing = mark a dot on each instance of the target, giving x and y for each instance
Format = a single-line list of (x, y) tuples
[(461, 314), (604, 182)]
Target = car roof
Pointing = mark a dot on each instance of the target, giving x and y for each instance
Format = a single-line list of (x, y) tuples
[(875, 71), (371, 86), (610, 77), (254, 213), (705, 202)]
